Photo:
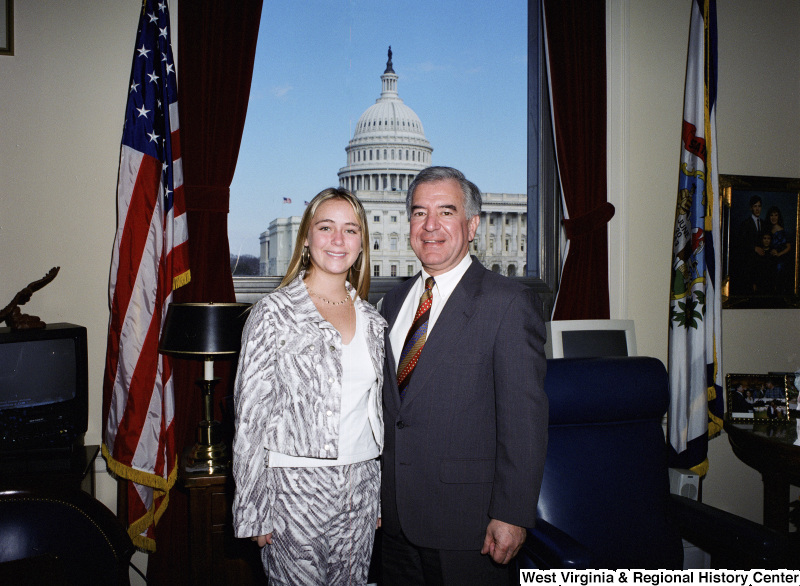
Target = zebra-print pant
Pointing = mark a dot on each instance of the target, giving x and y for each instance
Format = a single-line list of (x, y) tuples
[(323, 524)]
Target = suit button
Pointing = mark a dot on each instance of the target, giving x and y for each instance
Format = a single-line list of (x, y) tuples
[(400, 424)]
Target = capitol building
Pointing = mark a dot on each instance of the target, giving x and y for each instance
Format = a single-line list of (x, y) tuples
[(386, 152)]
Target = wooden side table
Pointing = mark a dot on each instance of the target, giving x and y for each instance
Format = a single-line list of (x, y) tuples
[(217, 557)]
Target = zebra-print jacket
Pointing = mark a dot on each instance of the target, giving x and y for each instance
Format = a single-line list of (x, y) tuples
[(288, 392)]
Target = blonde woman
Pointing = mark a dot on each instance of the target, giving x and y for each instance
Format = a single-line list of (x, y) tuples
[(308, 406)]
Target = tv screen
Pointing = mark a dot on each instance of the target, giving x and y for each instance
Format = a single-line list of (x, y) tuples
[(27, 372), (588, 343), (590, 338), (43, 387)]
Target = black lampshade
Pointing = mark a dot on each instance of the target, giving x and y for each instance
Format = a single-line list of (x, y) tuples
[(202, 330)]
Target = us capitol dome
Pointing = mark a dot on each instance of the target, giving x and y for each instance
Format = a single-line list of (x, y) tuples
[(386, 152), (389, 146)]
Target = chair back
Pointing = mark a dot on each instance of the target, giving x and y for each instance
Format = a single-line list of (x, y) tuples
[(61, 535), (606, 480)]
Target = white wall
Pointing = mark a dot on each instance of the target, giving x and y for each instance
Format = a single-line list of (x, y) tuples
[(62, 102), (62, 99)]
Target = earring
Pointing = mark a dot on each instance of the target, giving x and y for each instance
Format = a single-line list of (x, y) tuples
[(305, 257)]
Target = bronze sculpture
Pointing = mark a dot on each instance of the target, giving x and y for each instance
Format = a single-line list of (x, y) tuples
[(11, 313)]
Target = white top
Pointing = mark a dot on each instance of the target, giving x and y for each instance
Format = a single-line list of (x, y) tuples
[(443, 287), (356, 440)]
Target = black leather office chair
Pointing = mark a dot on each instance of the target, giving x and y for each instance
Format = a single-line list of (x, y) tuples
[(605, 499), (60, 535)]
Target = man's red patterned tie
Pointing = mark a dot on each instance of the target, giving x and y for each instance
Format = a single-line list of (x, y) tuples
[(415, 339)]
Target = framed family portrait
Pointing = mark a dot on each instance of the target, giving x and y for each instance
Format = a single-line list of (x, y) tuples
[(6, 27), (760, 241), (758, 397)]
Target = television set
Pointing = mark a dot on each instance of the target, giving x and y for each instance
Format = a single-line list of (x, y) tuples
[(44, 389), (590, 338)]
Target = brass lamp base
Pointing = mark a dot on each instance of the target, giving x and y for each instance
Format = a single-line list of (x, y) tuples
[(209, 454)]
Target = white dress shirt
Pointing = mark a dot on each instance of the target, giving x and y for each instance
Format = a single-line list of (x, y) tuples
[(443, 287)]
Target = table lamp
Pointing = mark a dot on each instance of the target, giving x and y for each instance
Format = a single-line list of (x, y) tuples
[(205, 331)]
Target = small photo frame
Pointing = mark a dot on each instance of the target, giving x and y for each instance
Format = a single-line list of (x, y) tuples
[(6, 27), (760, 241), (758, 398), (792, 393)]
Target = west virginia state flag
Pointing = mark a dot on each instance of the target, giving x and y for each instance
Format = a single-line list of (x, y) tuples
[(695, 317)]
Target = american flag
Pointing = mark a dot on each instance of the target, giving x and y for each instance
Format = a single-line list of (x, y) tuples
[(287, 200), (149, 260)]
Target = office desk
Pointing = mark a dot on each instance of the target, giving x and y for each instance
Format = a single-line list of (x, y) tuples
[(772, 450)]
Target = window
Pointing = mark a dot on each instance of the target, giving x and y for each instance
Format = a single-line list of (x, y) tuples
[(543, 198), (393, 243), (410, 270), (376, 218), (376, 270), (394, 219), (393, 270), (376, 244)]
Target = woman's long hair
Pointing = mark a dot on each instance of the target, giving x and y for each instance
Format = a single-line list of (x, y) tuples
[(358, 275)]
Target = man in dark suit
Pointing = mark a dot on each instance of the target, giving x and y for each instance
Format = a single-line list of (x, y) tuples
[(750, 248), (466, 425)]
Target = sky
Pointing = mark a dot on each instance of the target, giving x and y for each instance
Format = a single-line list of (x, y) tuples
[(461, 66)]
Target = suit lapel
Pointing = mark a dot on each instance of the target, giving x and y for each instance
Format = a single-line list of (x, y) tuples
[(451, 326)]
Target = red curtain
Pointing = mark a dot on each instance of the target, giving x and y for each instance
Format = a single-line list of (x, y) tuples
[(577, 58), (216, 50)]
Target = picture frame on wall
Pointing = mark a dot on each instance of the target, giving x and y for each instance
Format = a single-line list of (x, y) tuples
[(758, 398), (760, 253)]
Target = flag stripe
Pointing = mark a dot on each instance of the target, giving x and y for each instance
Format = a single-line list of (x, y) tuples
[(149, 260), (136, 244)]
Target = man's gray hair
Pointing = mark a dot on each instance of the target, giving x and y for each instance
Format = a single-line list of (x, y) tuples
[(472, 195)]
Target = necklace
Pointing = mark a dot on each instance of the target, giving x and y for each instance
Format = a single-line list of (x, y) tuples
[(328, 301)]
